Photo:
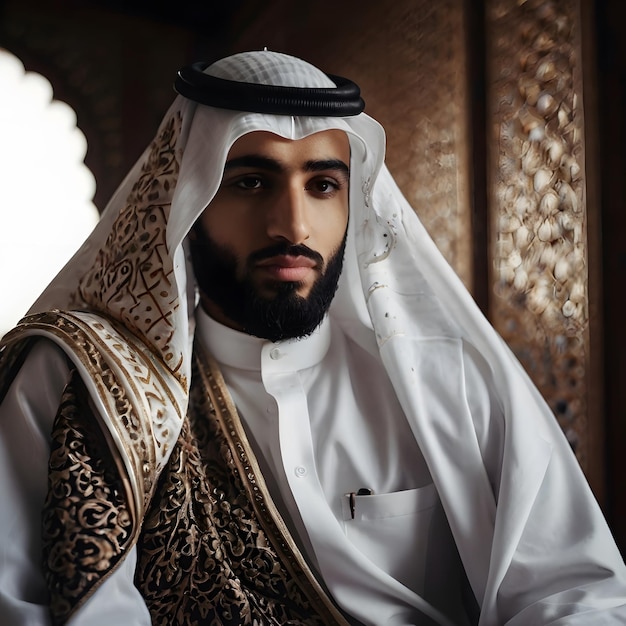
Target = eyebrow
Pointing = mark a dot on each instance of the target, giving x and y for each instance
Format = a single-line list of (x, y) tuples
[(253, 160), (271, 165), (326, 164)]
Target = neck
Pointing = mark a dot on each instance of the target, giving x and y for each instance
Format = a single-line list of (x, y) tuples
[(214, 311)]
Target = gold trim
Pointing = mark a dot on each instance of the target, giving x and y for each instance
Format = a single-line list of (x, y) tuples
[(47, 325), (143, 422)]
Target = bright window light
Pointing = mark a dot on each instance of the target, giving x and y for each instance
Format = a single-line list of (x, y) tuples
[(46, 210)]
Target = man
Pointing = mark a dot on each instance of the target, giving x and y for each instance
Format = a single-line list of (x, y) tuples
[(258, 395)]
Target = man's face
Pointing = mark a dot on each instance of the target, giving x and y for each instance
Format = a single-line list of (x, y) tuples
[(268, 249)]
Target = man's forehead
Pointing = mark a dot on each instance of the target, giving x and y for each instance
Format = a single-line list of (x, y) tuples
[(325, 144)]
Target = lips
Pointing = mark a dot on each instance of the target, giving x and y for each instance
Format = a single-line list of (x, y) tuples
[(287, 268)]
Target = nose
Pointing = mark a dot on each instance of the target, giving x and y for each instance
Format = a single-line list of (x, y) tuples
[(287, 217)]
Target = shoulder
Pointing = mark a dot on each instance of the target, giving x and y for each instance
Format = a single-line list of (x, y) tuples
[(34, 385)]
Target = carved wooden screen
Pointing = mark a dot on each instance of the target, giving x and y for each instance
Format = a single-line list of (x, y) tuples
[(538, 207)]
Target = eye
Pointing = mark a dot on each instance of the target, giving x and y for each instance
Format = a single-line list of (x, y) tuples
[(324, 186), (248, 183)]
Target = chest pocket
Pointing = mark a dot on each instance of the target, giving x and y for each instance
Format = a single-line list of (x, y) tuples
[(405, 534)]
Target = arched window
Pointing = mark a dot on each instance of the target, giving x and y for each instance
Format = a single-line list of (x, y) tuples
[(46, 191)]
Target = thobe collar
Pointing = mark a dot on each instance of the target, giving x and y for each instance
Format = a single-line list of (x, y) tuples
[(237, 349)]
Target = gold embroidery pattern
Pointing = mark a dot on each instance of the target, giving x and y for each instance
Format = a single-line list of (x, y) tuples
[(203, 557), (86, 522), (133, 275), (143, 408), (148, 439), (136, 395), (81, 340)]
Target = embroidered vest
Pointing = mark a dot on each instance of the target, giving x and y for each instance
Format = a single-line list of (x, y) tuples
[(212, 548)]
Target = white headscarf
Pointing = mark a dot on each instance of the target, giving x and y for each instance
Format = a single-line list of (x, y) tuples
[(187, 158)]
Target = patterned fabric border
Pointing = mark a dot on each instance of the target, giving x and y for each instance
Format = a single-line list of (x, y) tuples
[(206, 556)]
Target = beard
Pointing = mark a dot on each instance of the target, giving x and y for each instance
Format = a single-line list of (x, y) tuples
[(286, 315)]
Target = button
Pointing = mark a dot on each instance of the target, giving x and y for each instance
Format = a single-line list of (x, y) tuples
[(300, 471), (275, 354)]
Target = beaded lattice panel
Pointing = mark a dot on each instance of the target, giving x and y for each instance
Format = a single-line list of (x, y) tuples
[(537, 200)]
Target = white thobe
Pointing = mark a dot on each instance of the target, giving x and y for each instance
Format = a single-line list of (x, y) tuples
[(326, 422), (315, 447)]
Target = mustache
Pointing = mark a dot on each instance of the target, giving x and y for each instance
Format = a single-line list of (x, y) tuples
[(202, 241), (284, 248)]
